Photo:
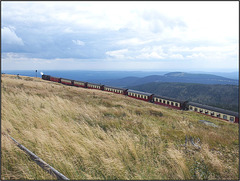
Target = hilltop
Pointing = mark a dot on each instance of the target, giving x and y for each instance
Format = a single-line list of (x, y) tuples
[(92, 134)]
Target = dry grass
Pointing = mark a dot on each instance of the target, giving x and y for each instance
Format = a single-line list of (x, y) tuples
[(91, 134)]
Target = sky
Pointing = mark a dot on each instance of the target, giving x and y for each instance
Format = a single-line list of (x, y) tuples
[(120, 35)]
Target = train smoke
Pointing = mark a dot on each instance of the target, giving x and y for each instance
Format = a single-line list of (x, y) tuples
[(41, 73)]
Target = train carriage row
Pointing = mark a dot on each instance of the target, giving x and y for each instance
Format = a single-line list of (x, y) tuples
[(156, 99), (214, 112)]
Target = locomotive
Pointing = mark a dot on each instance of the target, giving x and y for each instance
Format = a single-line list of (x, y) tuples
[(153, 98)]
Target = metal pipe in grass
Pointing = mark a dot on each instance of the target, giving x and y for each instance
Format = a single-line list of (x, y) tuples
[(40, 162)]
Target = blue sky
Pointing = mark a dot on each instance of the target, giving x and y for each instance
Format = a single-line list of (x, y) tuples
[(158, 36)]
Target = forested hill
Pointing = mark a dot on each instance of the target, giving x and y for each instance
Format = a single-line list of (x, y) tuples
[(222, 96)]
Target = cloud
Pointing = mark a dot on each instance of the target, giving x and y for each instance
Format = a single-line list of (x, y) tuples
[(196, 56), (154, 52), (78, 42), (118, 54), (9, 36), (152, 55), (132, 42), (176, 56), (157, 22)]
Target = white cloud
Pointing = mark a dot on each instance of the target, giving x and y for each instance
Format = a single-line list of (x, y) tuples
[(152, 55), (196, 56), (118, 54), (154, 52), (78, 42), (132, 42), (176, 56), (9, 36)]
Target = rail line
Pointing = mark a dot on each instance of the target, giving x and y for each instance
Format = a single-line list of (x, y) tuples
[(39, 161)]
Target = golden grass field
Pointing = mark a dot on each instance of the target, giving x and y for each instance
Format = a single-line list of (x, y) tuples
[(92, 134)]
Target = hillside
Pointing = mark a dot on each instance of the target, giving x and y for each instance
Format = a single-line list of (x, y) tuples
[(222, 96), (171, 77), (91, 134)]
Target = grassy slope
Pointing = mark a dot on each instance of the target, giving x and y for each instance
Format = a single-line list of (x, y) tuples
[(91, 134)]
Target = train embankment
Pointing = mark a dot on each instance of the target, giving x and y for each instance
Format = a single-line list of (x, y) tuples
[(92, 134)]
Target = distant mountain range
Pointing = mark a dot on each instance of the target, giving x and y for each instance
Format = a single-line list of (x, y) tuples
[(170, 77)]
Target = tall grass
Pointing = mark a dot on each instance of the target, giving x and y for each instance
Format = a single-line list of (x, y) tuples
[(91, 134)]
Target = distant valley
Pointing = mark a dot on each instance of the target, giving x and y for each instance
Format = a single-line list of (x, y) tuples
[(170, 77), (206, 89)]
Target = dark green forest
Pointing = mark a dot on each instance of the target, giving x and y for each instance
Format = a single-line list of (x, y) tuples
[(222, 96)]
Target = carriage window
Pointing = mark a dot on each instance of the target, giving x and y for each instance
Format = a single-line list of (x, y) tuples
[(218, 115), (176, 104), (224, 117), (201, 110), (212, 113), (190, 108), (195, 109), (164, 101), (231, 119), (206, 112), (172, 103), (167, 102)]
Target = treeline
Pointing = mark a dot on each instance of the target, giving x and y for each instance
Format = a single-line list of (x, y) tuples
[(222, 96)]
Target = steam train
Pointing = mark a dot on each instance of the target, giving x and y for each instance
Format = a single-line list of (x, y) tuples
[(153, 98)]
